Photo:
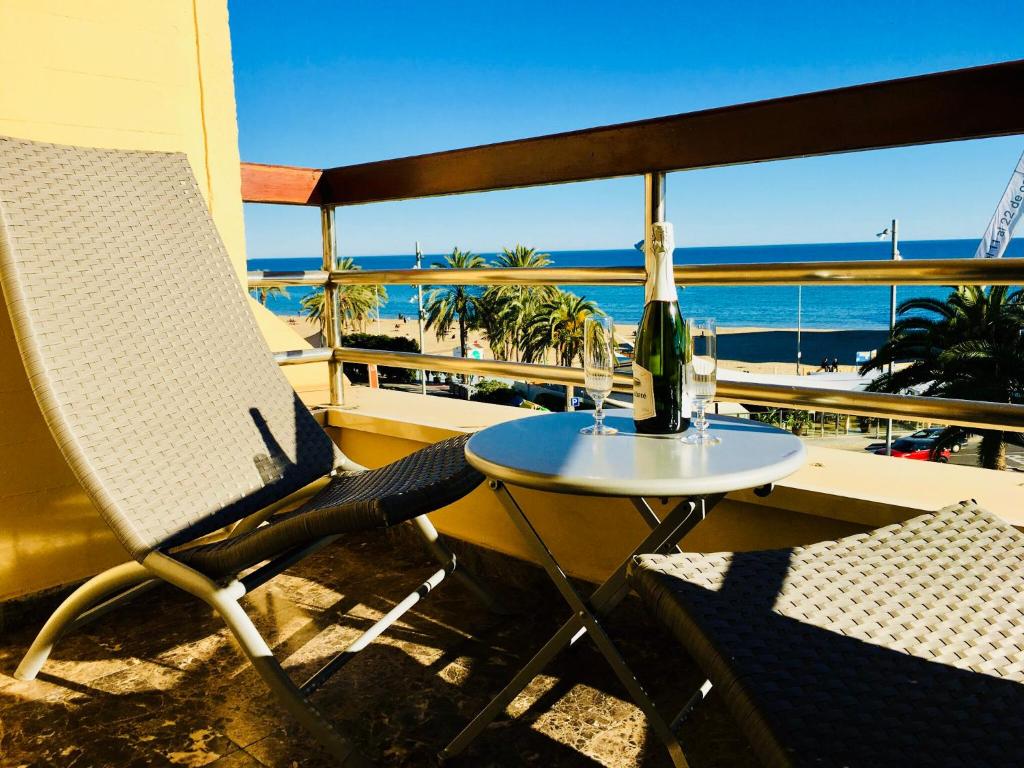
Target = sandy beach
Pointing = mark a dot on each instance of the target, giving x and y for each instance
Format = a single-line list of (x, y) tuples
[(743, 348)]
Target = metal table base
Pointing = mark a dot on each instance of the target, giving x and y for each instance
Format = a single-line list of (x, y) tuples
[(586, 613)]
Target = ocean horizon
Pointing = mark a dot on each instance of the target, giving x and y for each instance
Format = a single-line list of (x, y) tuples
[(840, 307)]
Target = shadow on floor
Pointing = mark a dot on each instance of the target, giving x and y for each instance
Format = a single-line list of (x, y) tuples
[(160, 682)]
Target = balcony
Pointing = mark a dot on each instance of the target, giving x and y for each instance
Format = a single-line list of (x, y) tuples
[(180, 693), (830, 493)]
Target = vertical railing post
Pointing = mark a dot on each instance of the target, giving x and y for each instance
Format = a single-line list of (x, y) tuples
[(654, 212), (895, 236), (331, 315), (419, 317)]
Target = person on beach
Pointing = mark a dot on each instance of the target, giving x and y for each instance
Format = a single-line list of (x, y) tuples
[(824, 364), (835, 365)]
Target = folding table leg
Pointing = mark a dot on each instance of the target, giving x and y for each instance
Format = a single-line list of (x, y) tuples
[(514, 687), (651, 518), (597, 633), (680, 520)]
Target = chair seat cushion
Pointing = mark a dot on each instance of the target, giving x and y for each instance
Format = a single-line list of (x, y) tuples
[(421, 482), (900, 646)]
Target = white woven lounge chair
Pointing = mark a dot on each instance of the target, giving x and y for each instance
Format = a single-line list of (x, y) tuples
[(162, 395)]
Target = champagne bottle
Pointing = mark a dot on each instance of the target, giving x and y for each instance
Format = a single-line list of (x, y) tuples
[(660, 405)]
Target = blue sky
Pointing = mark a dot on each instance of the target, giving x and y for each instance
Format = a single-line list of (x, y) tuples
[(324, 84)]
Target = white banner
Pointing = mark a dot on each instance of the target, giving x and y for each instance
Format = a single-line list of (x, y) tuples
[(1008, 213)]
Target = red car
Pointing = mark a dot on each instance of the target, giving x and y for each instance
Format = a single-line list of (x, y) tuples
[(916, 448)]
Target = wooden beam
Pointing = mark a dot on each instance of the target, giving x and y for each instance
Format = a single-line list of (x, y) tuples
[(280, 184), (948, 106)]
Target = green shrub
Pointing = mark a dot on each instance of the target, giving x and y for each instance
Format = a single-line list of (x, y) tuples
[(497, 393), (490, 385), (550, 400), (358, 373)]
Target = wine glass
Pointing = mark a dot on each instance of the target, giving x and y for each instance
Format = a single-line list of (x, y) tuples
[(598, 368), (702, 375)]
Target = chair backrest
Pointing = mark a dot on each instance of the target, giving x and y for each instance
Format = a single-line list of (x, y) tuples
[(140, 346)]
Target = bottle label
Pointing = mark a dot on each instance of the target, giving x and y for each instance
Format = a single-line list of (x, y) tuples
[(643, 393)]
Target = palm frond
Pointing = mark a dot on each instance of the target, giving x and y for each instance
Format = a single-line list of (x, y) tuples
[(969, 346)]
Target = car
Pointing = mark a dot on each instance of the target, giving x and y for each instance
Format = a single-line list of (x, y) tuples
[(933, 434), (930, 434), (916, 448)]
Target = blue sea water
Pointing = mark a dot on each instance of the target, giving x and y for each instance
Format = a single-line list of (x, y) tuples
[(823, 307)]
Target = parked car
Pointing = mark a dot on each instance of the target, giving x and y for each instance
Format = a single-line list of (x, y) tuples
[(934, 432), (929, 433), (916, 448)]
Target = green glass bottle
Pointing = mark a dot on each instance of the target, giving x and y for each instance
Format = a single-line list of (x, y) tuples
[(662, 351)]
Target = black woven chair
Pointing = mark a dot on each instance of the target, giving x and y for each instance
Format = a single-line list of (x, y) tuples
[(902, 646), (168, 406)]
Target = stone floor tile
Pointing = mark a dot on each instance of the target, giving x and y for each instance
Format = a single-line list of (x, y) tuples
[(161, 682)]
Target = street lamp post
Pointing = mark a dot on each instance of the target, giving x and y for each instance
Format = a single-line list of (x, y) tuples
[(376, 300), (893, 234), (799, 313), (419, 315)]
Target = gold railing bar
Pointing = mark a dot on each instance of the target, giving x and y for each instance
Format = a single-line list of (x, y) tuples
[(494, 276), (968, 413), (971, 413), (303, 356), (906, 272), (531, 372), (264, 278)]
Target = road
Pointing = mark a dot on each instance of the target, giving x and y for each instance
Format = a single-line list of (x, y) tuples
[(966, 456)]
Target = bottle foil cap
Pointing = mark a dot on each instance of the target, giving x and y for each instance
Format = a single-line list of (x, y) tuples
[(662, 237)]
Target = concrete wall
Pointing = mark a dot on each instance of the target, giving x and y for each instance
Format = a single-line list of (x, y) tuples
[(834, 494), (591, 536)]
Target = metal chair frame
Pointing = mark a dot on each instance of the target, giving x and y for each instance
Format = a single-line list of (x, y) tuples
[(120, 584)]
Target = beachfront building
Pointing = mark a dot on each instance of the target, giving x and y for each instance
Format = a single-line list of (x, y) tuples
[(160, 681)]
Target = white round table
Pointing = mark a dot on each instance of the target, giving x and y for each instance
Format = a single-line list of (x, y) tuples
[(548, 453)]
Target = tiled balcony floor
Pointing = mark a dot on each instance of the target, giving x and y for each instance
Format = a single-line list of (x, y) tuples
[(160, 682)]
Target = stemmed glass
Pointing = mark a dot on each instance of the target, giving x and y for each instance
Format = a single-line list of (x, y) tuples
[(702, 376), (598, 368)]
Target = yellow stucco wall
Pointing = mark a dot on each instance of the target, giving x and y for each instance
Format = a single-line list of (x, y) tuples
[(136, 74), (140, 74)]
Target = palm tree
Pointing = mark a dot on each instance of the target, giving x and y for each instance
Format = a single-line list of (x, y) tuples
[(515, 303), (969, 346), (356, 303), (265, 292), (448, 305), (499, 319), (557, 323)]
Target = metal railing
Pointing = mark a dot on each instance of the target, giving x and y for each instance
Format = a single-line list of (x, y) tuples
[(915, 272), (948, 106)]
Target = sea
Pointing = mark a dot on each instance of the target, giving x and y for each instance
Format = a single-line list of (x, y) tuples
[(832, 307)]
